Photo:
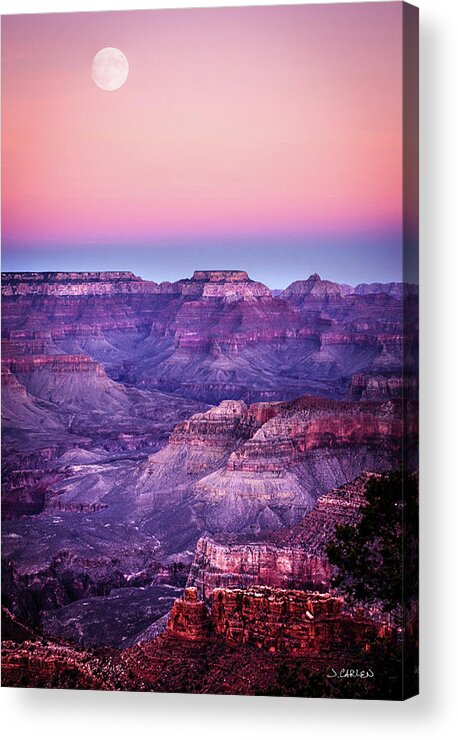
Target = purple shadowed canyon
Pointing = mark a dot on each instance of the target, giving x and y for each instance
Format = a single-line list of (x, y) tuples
[(156, 434), (179, 448)]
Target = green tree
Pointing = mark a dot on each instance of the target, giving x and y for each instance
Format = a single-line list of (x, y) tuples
[(376, 560)]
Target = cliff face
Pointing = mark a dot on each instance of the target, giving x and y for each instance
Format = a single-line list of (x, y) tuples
[(216, 335), (107, 430), (73, 283), (211, 283), (34, 665), (337, 507), (218, 427), (255, 468), (228, 284), (292, 557), (306, 448), (189, 617), (373, 387), (60, 363), (201, 443), (277, 620), (240, 565), (221, 276), (309, 424), (74, 382)]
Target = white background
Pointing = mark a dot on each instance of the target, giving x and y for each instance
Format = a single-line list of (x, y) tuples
[(70, 714)]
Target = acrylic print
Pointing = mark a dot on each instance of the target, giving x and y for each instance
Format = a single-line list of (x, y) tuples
[(210, 346)]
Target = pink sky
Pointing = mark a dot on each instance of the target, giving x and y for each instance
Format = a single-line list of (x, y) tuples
[(253, 120)]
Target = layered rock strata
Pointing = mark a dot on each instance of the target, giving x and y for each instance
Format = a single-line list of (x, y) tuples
[(189, 617), (293, 557), (290, 621), (245, 564), (303, 450), (216, 335), (368, 387), (35, 665), (101, 367)]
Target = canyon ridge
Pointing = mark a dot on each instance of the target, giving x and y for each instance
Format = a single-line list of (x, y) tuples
[(176, 457)]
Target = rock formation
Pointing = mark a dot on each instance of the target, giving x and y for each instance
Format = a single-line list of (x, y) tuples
[(34, 665), (292, 557), (216, 335), (139, 417), (277, 620), (374, 387), (314, 286), (302, 451), (189, 617), (243, 564)]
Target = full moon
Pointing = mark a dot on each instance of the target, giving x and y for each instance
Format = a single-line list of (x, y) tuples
[(110, 68)]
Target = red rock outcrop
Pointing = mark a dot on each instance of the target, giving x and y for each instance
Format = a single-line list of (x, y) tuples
[(189, 617), (301, 451), (312, 423), (296, 622), (278, 620), (35, 665), (244, 564), (204, 441), (292, 557)]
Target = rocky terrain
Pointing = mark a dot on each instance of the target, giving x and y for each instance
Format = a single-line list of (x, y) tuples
[(205, 430), (290, 621), (34, 665), (219, 335), (253, 641), (365, 387), (291, 557)]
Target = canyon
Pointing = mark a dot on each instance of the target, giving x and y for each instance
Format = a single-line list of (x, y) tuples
[(219, 335), (207, 433), (290, 557), (252, 641), (295, 622)]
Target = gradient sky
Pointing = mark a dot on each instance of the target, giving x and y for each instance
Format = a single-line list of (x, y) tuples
[(266, 139)]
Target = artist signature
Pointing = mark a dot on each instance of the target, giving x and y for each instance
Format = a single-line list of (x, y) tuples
[(350, 673)]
